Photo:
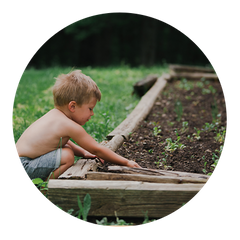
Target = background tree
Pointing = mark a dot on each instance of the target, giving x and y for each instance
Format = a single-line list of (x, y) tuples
[(117, 38)]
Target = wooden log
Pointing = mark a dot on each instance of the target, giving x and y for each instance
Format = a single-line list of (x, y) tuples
[(142, 86), (114, 143), (194, 75), (141, 110), (126, 198), (142, 178), (79, 169), (185, 68), (124, 169)]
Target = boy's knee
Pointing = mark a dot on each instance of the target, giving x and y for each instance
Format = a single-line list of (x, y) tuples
[(67, 156)]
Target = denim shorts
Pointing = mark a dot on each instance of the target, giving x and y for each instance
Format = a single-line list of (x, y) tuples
[(41, 167)]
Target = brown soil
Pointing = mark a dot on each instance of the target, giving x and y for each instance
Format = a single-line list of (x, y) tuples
[(202, 104)]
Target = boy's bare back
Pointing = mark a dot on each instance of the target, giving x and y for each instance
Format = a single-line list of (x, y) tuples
[(44, 135)]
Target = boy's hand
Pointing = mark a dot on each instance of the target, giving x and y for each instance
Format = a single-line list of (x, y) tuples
[(132, 164), (89, 155)]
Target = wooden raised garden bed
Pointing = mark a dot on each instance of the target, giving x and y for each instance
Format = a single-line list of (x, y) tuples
[(131, 192)]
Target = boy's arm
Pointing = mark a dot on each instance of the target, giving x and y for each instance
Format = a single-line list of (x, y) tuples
[(80, 136), (80, 152)]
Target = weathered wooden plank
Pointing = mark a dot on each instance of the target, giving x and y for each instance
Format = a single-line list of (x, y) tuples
[(194, 75), (142, 86), (141, 110), (142, 177), (79, 169), (124, 169), (128, 199), (186, 68)]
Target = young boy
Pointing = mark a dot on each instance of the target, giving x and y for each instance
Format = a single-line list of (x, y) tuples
[(45, 146)]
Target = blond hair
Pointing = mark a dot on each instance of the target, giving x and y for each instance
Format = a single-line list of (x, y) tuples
[(75, 86)]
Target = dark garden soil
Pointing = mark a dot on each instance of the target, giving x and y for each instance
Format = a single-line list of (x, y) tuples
[(184, 131)]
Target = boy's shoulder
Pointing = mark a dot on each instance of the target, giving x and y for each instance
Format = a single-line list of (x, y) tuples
[(61, 121)]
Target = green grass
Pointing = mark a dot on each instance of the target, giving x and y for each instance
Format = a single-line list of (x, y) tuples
[(34, 96)]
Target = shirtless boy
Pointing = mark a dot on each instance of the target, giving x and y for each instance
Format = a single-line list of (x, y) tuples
[(45, 147)]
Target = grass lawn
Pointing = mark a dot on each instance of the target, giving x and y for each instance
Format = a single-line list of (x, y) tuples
[(34, 96)]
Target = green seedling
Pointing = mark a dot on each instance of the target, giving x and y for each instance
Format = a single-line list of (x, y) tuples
[(200, 84), (204, 169), (176, 132), (171, 146), (221, 135), (208, 127), (158, 162), (163, 161), (189, 138), (185, 84), (206, 91), (171, 124), (146, 218), (150, 150), (184, 127), (84, 209), (119, 222), (205, 164), (174, 145), (157, 130), (212, 89), (154, 123), (197, 134)]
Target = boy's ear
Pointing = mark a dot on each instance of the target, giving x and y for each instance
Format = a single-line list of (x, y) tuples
[(71, 106)]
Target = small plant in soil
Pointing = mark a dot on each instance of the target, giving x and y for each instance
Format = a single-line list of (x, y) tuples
[(119, 222), (221, 135), (85, 207), (212, 89), (186, 85), (163, 161), (205, 164), (150, 151), (170, 124), (197, 134), (200, 84), (156, 130), (206, 91), (184, 127), (189, 138), (173, 145), (208, 127)]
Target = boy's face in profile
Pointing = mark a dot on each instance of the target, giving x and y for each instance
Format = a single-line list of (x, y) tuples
[(82, 114)]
